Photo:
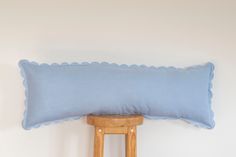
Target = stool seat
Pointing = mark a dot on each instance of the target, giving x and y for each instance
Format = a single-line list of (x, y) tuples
[(114, 120), (115, 124)]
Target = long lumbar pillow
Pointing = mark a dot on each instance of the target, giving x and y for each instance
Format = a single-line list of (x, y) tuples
[(59, 92)]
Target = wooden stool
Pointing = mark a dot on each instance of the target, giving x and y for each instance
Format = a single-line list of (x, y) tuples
[(115, 124)]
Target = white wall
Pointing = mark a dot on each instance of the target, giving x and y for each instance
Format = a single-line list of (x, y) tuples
[(151, 32)]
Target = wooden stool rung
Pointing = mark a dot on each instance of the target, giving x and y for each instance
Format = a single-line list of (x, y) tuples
[(118, 130)]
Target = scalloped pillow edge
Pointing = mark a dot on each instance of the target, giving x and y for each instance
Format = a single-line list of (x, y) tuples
[(193, 122)]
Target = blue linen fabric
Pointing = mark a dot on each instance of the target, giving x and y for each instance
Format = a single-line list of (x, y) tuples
[(59, 92)]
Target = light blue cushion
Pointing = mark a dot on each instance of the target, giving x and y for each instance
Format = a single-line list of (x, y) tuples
[(59, 92)]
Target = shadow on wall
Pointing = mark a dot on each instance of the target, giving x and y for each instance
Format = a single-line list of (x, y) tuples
[(73, 138), (76, 138), (70, 138), (11, 97)]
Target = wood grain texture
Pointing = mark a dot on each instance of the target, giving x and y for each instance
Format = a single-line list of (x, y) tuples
[(130, 142), (98, 142), (114, 120), (115, 124)]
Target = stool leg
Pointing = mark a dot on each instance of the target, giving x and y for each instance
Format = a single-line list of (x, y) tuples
[(130, 139), (98, 142)]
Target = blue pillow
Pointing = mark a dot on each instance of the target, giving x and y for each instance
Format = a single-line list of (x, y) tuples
[(59, 92)]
